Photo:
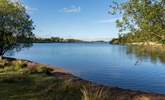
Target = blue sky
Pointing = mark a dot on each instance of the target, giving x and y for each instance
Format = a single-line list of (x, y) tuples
[(82, 19)]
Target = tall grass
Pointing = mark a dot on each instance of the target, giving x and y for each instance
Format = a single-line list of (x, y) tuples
[(89, 93)]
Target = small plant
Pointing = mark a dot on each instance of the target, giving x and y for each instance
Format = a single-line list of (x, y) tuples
[(93, 94), (20, 65)]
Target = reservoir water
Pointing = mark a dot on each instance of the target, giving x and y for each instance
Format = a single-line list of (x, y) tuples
[(106, 64)]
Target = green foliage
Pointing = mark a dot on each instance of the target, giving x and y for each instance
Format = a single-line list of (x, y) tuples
[(144, 19), (15, 25)]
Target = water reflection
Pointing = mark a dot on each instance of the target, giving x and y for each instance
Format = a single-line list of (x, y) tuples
[(17, 48), (155, 54)]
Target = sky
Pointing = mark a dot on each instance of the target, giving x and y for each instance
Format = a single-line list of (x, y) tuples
[(81, 19)]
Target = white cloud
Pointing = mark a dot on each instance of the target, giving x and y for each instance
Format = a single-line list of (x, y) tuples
[(112, 20), (72, 9)]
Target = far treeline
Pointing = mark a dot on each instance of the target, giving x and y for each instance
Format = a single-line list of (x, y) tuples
[(142, 21), (56, 40)]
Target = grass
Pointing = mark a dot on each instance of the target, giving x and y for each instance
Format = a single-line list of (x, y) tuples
[(18, 81), (90, 94)]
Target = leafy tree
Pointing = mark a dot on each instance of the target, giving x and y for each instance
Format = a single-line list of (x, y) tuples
[(15, 25), (144, 17)]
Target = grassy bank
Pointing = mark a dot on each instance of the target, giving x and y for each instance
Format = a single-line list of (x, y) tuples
[(25, 80)]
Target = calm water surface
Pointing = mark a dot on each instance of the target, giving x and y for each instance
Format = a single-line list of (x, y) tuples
[(103, 63)]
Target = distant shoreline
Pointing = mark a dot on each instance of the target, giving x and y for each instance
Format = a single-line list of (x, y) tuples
[(63, 40), (74, 42)]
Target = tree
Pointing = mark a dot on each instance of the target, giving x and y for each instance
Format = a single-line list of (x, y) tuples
[(15, 25), (146, 17)]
